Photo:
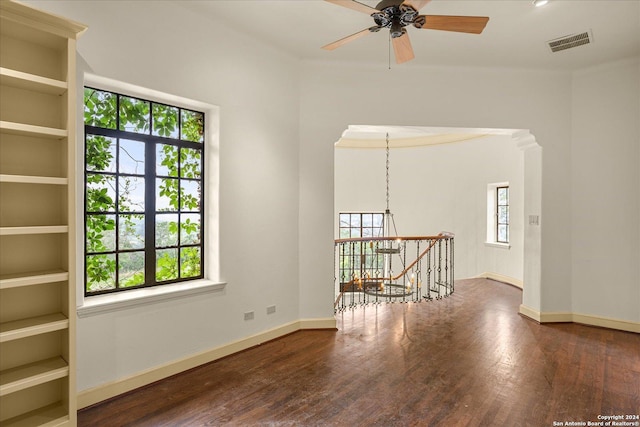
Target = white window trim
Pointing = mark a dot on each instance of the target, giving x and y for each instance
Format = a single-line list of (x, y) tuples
[(87, 306), (492, 211), (498, 245), (120, 300)]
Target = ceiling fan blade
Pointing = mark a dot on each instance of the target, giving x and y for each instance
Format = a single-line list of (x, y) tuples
[(460, 24), (354, 5), (402, 48), (336, 44), (416, 4)]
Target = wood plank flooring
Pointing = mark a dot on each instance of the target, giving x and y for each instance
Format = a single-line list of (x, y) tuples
[(467, 360)]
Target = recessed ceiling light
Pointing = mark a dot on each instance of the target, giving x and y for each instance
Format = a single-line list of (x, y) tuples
[(538, 3)]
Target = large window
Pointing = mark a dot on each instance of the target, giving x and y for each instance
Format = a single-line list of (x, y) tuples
[(144, 192)]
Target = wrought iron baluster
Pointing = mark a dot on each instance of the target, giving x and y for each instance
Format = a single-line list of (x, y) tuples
[(439, 267), (404, 276), (418, 273), (429, 271), (452, 266), (337, 281), (446, 265)]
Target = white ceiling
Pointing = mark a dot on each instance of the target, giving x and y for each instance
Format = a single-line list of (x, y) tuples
[(515, 36)]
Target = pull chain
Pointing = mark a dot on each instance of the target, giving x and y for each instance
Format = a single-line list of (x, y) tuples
[(389, 58)]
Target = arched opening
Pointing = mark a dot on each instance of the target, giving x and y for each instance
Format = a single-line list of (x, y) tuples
[(438, 180)]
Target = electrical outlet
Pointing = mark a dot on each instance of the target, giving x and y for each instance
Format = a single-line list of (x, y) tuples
[(271, 309), (248, 315)]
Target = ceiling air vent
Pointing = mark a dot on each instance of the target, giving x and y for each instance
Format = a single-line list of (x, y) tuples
[(570, 41)]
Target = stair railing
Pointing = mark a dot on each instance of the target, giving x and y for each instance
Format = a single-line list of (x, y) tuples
[(364, 269)]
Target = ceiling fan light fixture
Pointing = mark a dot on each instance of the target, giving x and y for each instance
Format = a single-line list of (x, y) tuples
[(396, 29), (381, 19), (539, 3)]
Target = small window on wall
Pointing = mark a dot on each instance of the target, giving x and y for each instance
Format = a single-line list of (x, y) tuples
[(498, 215), (502, 215)]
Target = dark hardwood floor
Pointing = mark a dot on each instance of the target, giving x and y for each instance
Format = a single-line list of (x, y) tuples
[(469, 359)]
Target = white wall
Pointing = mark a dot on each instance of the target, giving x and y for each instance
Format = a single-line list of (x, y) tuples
[(168, 48), (441, 188), (606, 190), (337, 95)]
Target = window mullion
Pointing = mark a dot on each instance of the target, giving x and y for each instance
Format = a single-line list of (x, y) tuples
[(150, 214), (117, 215), (179, 210)]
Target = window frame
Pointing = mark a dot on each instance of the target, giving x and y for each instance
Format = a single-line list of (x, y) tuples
[(498, 222), (492, 216), (150, 176), (362, 252), (361, 227)]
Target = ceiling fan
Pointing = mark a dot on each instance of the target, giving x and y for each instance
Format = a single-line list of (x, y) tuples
[(397, 14)]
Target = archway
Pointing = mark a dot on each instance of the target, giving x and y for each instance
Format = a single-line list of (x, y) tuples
[(416, 138)]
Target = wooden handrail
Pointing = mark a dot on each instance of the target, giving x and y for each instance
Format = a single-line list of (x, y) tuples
[(397, 238)]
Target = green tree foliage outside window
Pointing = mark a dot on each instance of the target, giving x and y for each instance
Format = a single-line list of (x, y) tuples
[(135, 148)]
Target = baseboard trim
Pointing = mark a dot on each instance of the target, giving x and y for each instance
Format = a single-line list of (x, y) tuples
[(606, 322), (329, 323), (501, 278), (529, 313), (585, 319), (109, 390)]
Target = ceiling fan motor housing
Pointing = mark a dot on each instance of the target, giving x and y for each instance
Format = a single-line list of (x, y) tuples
[(395, 15)]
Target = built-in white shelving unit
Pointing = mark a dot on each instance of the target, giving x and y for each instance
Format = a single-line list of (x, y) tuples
[(37, 228)]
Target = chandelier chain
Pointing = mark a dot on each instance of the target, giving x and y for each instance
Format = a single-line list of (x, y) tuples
[(387, 166)]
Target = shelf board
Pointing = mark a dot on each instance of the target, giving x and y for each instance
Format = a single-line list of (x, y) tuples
[(32, 130), (8, 281), (31, 179), (32, 374), (18, 329), (22, 80), (42, 229), (49, 416)]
